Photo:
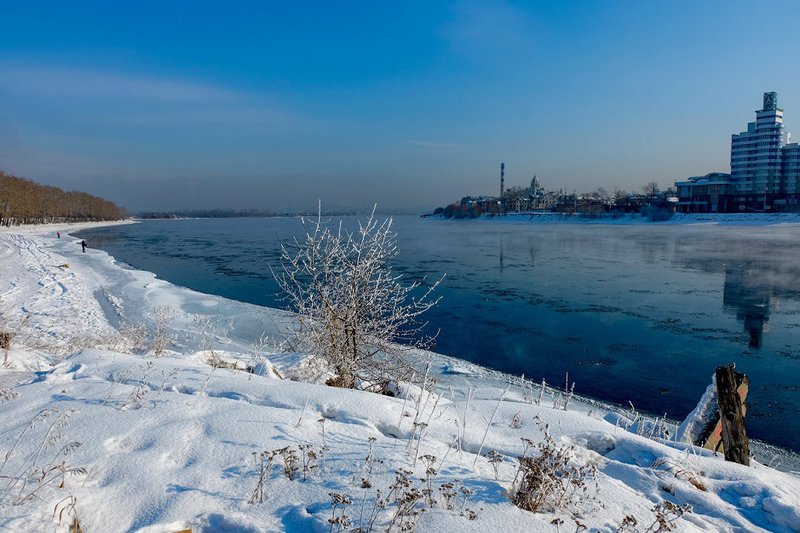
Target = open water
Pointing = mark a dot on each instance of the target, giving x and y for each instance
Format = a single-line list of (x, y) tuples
[(638, 313)]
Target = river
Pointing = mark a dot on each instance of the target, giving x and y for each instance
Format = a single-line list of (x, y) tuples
[(633, 313)]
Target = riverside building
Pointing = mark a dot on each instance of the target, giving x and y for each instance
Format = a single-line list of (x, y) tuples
[(765, 171)]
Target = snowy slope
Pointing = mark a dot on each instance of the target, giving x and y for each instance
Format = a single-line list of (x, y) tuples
[(170, 442)]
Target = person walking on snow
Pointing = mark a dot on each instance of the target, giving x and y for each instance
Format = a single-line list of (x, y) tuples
[(58, 234), (83, 246)]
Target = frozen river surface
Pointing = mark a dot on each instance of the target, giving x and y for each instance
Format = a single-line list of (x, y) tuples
[(640, 313)]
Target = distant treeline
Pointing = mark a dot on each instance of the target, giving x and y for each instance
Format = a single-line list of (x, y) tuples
[(209, 213), (232, 213), (23, 201)]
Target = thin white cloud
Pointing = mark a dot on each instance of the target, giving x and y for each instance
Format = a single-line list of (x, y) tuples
[(494, 27), (433, 144), (65, 81), (237, 116), (139, 99)]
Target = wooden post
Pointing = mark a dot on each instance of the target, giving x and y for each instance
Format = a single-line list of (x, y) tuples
[(734, 437)]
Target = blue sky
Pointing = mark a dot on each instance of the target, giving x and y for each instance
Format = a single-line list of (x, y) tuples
[(174, 105)]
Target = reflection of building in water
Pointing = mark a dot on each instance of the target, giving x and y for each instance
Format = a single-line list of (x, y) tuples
[(760, 272), (749, 295)]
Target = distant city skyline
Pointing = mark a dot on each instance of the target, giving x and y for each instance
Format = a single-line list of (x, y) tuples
[(765, 170), (408, 105)]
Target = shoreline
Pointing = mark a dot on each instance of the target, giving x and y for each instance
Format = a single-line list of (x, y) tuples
[(635, 219), (475, 373), (168, 442), (65, 228)]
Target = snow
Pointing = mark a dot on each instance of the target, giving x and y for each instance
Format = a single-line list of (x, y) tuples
[(170, 443), (692, 427)]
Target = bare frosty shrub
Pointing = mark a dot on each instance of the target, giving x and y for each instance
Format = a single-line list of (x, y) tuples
[(5, 340), (551, 481), (162, 336), (8, 332), (341, 522), (353, 310), (203, 326), (666, 515), (258, 350), (6, 395), (133, 337), (5, 344)]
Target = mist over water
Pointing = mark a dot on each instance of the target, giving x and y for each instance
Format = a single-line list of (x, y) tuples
[(633, 313)]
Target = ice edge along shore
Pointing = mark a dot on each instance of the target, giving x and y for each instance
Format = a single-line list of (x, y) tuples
[(167, 443)]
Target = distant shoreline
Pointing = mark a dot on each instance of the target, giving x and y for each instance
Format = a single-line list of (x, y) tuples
[(63, 227), (721, 219)]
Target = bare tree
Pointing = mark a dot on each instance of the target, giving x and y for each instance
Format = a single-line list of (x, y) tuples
[(353, 311), (651, 189)]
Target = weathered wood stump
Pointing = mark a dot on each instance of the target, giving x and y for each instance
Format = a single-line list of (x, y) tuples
[(734, 436)]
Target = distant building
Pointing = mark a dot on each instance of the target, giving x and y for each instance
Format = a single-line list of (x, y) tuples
[(756, 153), (790, 157), (482, 204), (765, 171), (703, 194), (535, 186)]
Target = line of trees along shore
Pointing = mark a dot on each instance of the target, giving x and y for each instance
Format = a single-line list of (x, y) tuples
[(23, 201)]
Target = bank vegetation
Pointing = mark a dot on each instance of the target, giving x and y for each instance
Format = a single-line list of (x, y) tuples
[(23, 201)]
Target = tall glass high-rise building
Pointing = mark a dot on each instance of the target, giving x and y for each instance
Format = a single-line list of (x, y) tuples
[(765, 171), (756, 153)]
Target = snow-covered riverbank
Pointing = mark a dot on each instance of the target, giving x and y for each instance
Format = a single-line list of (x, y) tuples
[(171, 442)]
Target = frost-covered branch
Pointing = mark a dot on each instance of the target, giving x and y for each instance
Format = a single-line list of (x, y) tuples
[(353, 310)]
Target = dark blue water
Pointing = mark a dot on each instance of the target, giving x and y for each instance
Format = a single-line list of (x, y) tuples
[(633, 313)]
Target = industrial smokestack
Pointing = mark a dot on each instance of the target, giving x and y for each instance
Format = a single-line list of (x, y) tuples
[(502, 179)]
